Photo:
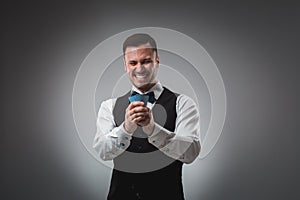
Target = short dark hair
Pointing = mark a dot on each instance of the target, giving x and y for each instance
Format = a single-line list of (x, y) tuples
[(138, 39)]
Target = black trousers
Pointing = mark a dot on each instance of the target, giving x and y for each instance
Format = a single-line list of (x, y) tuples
[(146, 186)]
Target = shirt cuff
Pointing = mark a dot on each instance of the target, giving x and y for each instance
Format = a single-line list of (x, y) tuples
[(124, 137), (160, 136)]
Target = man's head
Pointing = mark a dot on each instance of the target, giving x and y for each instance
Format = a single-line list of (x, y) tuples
[(141, 60)]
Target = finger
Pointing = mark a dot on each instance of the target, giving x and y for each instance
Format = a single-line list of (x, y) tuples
[(130, 106), (138, 115), (138, 119), (144, 122), (135, 103), (139, 109), (143, 116)]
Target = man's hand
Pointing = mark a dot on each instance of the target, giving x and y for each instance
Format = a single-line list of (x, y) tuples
[(138, 114)]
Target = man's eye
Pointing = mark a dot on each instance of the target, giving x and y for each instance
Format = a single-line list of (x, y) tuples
[(132, 63), (146, 61)]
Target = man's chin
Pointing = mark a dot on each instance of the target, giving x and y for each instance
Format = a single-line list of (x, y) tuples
[(141, 86), (145, 86)]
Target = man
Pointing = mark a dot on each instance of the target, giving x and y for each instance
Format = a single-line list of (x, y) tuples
[(149, 132)]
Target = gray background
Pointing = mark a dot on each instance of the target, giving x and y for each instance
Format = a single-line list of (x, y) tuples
[(254, 45)]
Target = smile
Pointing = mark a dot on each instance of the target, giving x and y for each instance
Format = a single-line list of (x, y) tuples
[(141, 76)]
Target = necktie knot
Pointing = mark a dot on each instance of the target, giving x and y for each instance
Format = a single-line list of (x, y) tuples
[(148, 97)]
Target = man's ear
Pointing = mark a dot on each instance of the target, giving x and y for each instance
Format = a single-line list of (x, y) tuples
[(124, 63), (157, 59)]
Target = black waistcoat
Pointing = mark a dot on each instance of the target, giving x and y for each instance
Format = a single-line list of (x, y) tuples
[(143, 171)]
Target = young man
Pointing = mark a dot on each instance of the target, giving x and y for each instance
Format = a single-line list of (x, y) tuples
[(149, 132)]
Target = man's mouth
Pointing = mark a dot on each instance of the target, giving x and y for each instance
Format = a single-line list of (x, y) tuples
[(140, 76)]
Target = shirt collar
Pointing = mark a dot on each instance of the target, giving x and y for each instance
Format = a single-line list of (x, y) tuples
[(157, 89)]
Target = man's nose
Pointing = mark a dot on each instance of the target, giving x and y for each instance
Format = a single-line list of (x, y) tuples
[(139, 66)]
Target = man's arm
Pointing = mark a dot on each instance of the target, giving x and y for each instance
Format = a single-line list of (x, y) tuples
[(110, 141), (184, 143)]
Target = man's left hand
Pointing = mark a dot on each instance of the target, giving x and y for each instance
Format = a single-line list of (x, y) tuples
[(145, 116), (147, 123)]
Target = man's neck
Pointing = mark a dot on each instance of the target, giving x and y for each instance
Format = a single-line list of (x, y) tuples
[(147, 87)]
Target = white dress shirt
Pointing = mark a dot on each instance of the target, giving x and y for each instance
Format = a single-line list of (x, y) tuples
[(183, 144)]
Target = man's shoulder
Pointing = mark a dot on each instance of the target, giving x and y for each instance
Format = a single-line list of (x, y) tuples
[(180, 96), (184, 98), (109, 103), (114, 99)]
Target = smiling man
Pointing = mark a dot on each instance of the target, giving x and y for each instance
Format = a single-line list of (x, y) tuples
[(149, 132)]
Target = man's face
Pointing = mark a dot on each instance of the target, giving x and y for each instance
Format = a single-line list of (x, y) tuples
[(141, 64)]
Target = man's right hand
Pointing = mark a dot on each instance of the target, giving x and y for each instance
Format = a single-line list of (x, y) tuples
[(135, 112)]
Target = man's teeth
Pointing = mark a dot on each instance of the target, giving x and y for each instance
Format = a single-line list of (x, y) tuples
[(140, 76)]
